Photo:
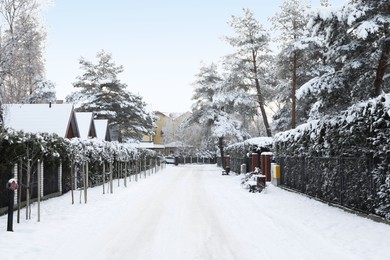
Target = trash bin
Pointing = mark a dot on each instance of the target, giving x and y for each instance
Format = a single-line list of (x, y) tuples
[(261, 180), (176, 160)]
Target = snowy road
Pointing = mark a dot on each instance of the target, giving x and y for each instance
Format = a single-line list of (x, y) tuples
[(193, 212)]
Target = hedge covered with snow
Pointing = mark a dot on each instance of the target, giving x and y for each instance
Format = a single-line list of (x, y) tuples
[(20, 148), (361, 131), (15, 145), (239, 150)]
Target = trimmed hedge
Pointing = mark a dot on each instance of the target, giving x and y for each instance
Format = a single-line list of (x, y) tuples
[(362, 131)]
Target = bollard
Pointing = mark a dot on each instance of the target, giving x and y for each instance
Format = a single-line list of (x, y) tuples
[(243, 168), (12, 185), (275, 174)]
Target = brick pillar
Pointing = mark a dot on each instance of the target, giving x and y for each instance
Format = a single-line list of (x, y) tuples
[(255, 161), (266, 158), (227, 161)]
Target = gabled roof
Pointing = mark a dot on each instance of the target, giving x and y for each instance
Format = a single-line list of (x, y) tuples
[(86, 125), (42, 118), (102, 131)]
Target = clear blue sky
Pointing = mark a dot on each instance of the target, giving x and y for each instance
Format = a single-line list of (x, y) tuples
[(160, 43)]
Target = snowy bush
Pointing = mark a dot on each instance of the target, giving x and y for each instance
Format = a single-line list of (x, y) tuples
[(240, 150), (20, 147), (361, 131)]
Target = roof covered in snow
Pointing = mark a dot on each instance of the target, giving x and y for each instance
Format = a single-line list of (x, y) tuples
[(41, 118), (102, 132), (86, 125), (147, 145)]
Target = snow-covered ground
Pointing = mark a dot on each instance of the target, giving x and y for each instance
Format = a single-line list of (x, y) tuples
[(193, 212)]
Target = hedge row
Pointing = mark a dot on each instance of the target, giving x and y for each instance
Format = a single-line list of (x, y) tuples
[(362, 131)]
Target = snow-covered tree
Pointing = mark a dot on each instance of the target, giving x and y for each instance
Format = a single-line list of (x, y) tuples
[(234, 94), (251, 43), (21, 49), (44, 94), (209, 109), (357, 49), (100, 91), (290, 24)]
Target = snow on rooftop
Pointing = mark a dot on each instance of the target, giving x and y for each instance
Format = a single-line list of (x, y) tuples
[(260, 141), (84, 121), (101, 128), (147, 145), (38, 118)]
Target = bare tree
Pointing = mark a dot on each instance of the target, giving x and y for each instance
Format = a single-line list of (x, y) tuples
[(21, 49)]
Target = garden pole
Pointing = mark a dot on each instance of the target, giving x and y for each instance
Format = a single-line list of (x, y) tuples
[(39, 189)]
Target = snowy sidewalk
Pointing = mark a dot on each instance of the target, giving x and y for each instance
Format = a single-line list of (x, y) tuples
[(193, 212)]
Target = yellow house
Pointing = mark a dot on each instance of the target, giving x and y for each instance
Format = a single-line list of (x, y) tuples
[(167, 127), (157, 137)]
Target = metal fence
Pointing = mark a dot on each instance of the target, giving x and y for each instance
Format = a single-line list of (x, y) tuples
[(345, 181), (51, 184), (201, 160), (235, 163)]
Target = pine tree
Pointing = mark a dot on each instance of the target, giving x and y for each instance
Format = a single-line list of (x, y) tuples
[(44, 94), (210, 109), (290, 23), (357, 44), (251, 44), (101, 92), (234, 94)]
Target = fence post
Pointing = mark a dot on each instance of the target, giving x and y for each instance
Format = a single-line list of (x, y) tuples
[(104, 176), (42, 178), (16, 178), (145, 167), (125, 172), (39, 172), (111, 184), (341, 181), (28, 188), (136, 171), (130, 168), (72, 184), (116, 169), (60, 177), (86, 183), (19, 173)]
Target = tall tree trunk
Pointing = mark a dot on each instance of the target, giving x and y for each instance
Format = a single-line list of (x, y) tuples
[(293, 92), (260, 98), (383, 61), (220, 145)]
